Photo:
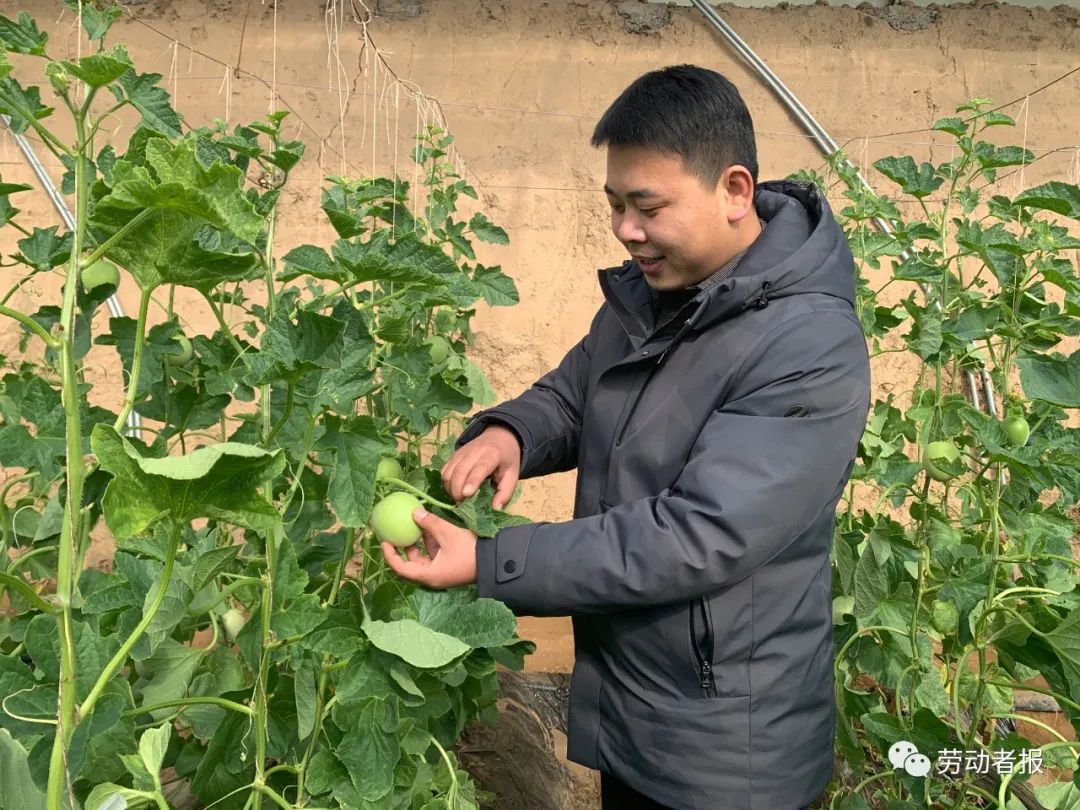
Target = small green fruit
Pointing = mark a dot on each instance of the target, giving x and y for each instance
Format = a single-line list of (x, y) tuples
[(438, 348), (1017, 429), (938, 457), (392, 521), (944, 616), (184, 356), (388, 468), (98, 273), (233, 621)]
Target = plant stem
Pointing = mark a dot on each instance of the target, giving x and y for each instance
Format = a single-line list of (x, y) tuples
[(261, 701), (32, 325), (225, 329), (75, 471), (121, 655), (28, 593), (285, 413), (190, 701), (397, 482), (132, 389), (324, 676)]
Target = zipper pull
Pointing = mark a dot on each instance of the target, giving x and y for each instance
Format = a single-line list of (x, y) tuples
[(706, 676)]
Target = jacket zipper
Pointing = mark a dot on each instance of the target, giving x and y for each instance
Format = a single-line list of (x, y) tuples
[(703, 650), (641, 389)]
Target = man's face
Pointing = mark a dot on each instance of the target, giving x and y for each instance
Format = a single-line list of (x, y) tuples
[(678, 230)]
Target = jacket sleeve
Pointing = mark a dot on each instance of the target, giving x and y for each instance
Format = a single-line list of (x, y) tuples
[(546, 417), (755, 479)]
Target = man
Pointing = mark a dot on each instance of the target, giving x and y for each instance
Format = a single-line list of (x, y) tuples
[(713, 413)]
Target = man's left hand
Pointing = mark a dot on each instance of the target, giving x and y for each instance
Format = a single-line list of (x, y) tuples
[(451, 559)]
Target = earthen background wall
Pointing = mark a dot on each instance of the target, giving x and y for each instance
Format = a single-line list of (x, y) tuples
[(521, 85)]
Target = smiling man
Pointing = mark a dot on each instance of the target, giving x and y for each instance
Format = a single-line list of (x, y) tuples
[(713, 413)]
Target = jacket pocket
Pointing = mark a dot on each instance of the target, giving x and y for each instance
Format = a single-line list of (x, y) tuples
[(702, 641)]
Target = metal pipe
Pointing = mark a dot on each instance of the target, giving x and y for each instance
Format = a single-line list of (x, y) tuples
[(828, 147), (115, 307)]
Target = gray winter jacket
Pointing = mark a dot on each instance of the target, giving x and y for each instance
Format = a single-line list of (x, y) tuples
[(710, 461)]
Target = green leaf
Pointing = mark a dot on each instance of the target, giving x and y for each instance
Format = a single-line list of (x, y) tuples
[(287, 155), (110, 796), (497, 288), (1065, 641), (917, 181), (369, 754), (152, 746), (953, 125), (291, 350), (405, 260), (289, 579), (305, 691), (23, 105), (151, 101), (486, 231), (167, 675), (1050, 378), (17, 788), (299, 618), (996, 157), (99, 69), (458, 613), (96, 22), (173, 246), (352, 485), (22, 36), (414, 643), (43, 249), (1056, 196), (216, 481), (311, 261), (365, 675), (871, 585)]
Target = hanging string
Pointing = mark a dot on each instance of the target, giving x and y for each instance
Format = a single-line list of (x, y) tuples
[(273, 74), (226, 86), (1023, 148)]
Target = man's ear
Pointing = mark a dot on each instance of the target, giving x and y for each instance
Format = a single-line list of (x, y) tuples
[(738, 186)]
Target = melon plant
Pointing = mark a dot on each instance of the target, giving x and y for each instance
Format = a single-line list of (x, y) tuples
[(955, 584), (247, 638)]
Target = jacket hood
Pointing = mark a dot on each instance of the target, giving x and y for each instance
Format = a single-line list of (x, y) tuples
[(802, 250)]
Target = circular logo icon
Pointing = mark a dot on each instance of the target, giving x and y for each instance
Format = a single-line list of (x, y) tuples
[(917, 765), (900, 751)]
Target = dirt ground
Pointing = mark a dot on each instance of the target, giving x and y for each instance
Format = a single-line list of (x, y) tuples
[(520, 86)]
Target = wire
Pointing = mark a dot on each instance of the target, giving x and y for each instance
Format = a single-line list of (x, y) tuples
[(1016, 100)]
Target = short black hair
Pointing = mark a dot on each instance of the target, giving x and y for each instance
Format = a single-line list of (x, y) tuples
[(688, 111)]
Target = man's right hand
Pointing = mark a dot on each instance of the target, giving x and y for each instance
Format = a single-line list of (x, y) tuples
[(496, 454)]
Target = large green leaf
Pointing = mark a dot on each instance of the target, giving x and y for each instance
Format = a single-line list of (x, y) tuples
[(290, 350), (458, 613), (369, 754), (99, 69), (171, 246), (1065, 641), (152, 102), (22, 35), (217, 481), (352, 486), (414, 643), (22, 104), (1052, 379), (918, 181), (17, 788), (1056, 196), (405, 260)]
